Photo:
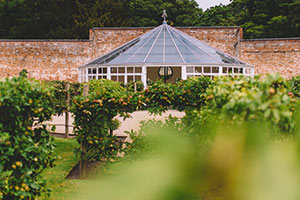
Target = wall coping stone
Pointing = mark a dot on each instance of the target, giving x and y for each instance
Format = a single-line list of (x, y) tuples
[(180, 27), (270, 39)]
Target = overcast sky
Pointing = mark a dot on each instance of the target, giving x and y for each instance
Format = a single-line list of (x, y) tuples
[(204, 4)]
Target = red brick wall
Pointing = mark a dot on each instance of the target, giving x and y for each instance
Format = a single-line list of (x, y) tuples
[(106, 39), (269, 56), (47, 60), (223, 38), (56, 59)]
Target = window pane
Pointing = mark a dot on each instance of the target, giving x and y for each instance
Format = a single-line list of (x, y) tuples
[(100, 70), (230, 70), (114, 78), (114, 70), (129, 79), (236, 70), (215, 70), (247, 71), (121, 79), (138, 70), (225, 70), (241, 70), (207, 70), (99, 77), (189, 70), (122, 70), (138, 78), (89, 71), (105, 70), (104, 77), (129, 69), (94, 70), (198, 69)]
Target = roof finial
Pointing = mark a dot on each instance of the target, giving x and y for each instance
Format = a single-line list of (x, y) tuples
[(164, 15)]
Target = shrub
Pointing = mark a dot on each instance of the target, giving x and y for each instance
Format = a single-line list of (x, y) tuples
[(60, 94), (295, 86), (158, 97), (24, 152), (139, 86), (191, 93), (94, 118), (251, 99)]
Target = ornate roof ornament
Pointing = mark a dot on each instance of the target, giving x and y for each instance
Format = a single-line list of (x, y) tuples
[(164, 15)]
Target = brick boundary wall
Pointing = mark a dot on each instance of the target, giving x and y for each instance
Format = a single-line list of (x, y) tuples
[(280, 55), (44, 59), (59, 59)]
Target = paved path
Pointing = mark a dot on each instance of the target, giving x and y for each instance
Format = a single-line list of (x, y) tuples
[(127, 125)]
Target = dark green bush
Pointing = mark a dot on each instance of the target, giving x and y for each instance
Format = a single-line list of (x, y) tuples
[(24, 151)]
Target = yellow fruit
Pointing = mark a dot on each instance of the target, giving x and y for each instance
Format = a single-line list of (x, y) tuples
[(272, 90), (17, 188), (13, 166), (18, 163)]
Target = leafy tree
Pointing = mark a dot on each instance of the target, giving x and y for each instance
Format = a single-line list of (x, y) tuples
[(101, 13), (72, 19), (36, 19), (259, 18), (220, 15), (180, 13)]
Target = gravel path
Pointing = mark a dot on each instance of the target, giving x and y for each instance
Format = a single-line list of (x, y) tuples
[(127, 125)]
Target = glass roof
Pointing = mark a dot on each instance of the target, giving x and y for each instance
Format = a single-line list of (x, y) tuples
[(165, 45)]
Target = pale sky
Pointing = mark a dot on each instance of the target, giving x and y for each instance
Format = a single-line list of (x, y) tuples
[(204, 4)]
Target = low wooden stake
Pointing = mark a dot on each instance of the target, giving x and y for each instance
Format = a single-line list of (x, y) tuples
[(67, 110), (83, 145), (135, 88)]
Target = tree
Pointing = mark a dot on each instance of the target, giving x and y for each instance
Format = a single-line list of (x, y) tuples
[(259, 18), (180, 12), (36, 19), (101, 13)]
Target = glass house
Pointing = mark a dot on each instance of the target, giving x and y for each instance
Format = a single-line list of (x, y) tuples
[(163, 52)]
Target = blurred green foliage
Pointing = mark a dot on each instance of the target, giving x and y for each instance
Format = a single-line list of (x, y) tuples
[(24, 151), (235, 99), (295, 86), (234, 161)]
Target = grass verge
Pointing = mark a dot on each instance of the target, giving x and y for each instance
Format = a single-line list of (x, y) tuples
[(62, 188)]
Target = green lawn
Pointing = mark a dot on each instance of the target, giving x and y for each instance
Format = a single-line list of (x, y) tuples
[(62, 188)]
